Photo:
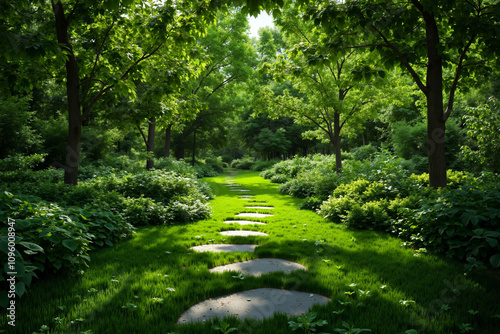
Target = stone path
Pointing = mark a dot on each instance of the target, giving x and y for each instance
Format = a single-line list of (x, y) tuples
[(258, 207), (257, 267), (253, 214), (241, 233), (257, 303), (243, 222), (227, 248)]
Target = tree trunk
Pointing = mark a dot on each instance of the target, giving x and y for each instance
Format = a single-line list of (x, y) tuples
[(150, 164), (73, 95), (168, 141), (435, 114), (336, 142), (180, 146)]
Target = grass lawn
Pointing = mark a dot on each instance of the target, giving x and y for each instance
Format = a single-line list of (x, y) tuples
[(144, 284)]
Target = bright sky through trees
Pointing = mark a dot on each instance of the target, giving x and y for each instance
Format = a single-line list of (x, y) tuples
[(262, 20)]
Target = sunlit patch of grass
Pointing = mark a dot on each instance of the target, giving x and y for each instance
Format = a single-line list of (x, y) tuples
[(144, 284)]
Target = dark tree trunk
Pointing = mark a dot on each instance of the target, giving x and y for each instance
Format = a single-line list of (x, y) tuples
[(435, 114), (73, 95), (180, 146), (150, 164), (168, 141), (363, 137), (336, 142)]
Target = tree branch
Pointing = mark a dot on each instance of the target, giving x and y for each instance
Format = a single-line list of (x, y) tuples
[(142, 134), (98, 54), (403, 59), (458, 71)]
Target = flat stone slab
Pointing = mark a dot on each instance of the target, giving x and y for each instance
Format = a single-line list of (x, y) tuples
[(226, 248), (257, 304), (253, 214), (243, 222), (241, 190), (246, 196), (258, 267), (240, 233), (258, 207), (233, 185)]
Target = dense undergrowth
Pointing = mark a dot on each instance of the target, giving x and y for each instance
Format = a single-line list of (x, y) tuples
[(143, 284), (461, 221), (56, 225)]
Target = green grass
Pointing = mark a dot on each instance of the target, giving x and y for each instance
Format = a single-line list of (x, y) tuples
[(143, 285)]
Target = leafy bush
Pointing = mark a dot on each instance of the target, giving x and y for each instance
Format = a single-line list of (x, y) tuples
[(364, 152), (204, 170), (300, 188), (279, 178), (16, 134), (263, 165), (482, 124), (21, 162), (52, 237), (462, 223), (311, 203), (244, 163)]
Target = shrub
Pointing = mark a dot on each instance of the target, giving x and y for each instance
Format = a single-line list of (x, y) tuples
[(364, 152), (244, 163), (279, 178), (263, 165), (52, 237), (462, 223), (21, 162), (369, 215), (311, 203), (298, 188)]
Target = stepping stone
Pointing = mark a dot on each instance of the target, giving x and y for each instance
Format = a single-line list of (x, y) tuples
[(243, 222), (258, 267), (241, 190), (257, 304), (241, 233), (258, 207), (253, 214), (246, 196), (233, 184), (226, 248)]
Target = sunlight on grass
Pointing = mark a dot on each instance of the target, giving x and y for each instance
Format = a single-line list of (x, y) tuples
[(143, 285)]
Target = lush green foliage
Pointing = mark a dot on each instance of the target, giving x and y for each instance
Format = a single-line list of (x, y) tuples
[(380, 194), (144, 284), (16, 134), (244, 163), (482, 125), (53, 237)]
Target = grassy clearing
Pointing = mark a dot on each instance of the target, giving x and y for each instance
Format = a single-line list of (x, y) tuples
[(143, 285)]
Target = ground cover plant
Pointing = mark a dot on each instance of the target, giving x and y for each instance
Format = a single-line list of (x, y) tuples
[(143, 284), (58, 225), (461, 221)]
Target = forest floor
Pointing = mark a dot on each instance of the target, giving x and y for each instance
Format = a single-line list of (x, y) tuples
[(145, 284)]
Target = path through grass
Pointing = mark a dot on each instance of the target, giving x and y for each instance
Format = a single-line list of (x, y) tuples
[(143, 285)]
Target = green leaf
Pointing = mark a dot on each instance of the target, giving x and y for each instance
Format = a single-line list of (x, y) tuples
[(32, 247), (492, 242), (495, 260), (20, 289), (70, 244)]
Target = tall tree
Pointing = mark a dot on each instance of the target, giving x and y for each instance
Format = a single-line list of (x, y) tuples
[(230, 62), (438, 43), (105, 46), (332, 83)]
